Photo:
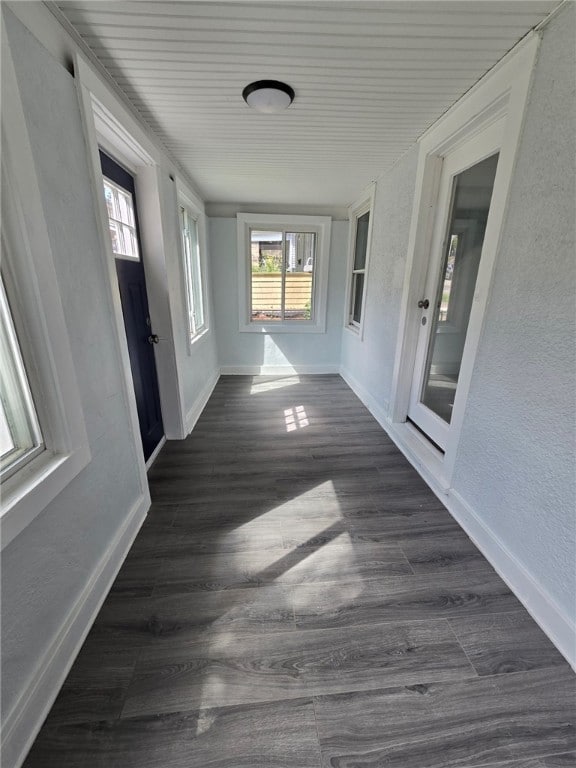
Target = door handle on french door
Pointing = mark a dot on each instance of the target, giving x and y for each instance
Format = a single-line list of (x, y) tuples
[(423, 304), (153, 338)]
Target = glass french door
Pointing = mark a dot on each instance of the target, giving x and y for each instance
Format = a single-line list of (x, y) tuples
[(465, 193)]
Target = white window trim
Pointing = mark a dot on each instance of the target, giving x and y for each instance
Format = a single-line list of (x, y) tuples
[(364, 205), (321, 226), (36, 306), (196, 213), (501, 94)]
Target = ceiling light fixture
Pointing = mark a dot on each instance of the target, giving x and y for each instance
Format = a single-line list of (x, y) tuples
[(268, 95)]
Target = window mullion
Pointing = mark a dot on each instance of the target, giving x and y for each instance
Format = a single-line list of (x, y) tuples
[(283, 281)]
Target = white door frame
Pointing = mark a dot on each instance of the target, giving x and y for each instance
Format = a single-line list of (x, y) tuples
[(500, 95), (108, 125), (478, 148)]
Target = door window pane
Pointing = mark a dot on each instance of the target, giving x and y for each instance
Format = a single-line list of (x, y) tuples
[(121, 220), (471, 195)]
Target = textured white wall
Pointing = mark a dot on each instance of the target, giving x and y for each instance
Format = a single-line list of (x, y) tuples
[(46, 567), (371, 361), (199, 366), (281, 349), (515, 464)]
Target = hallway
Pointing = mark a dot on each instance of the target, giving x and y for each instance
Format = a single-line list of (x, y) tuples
[(299, 598)]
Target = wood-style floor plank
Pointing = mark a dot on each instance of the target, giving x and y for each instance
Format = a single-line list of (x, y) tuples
[(299, 598), (274, 735), (505, 643), (477, 722), (402, 598), (235, 668)]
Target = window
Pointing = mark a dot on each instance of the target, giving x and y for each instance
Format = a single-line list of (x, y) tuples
[(283, 264), (192, 273), (121, 219), (282, 275), (360, 217), (20, 436)]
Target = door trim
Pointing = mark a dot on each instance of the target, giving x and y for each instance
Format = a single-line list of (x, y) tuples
[(482, 145), (110, 127), (501, 94)]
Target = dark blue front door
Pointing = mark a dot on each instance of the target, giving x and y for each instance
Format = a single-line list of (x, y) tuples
[(139, 334)]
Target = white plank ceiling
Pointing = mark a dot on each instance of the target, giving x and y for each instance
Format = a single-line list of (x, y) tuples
[(369, 77)]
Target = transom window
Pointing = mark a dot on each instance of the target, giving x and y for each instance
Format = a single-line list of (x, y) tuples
[(20, 435), (192, 273), (120, 206), (282, 275)]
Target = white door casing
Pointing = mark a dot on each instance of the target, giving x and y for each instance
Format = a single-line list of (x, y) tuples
[(471, 152), (501, 95)]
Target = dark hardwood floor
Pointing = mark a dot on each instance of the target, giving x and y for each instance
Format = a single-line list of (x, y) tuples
[(298, 598)]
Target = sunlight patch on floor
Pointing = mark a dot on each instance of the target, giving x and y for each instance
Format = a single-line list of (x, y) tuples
[(295, 418), (336, 553), (321, 498), (268, 386)]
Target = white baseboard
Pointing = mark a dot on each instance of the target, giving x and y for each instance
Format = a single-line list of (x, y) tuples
[(378, 410), (538, 602), (26, 717), (200, 403), (154, 454), (277, 370)]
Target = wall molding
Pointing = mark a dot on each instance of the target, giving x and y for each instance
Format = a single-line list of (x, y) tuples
[(545, 611), (277, 370), (199, 404), (23, 722)]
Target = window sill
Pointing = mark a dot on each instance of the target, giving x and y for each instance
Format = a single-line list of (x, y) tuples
[(26, 494), (355, 330), (272, 328), (192, 340)]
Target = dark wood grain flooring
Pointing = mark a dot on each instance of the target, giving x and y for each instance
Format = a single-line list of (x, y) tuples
[(299, 598)]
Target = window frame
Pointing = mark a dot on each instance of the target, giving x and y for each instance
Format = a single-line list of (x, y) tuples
[(187, 210), (362, 206), (36, 307), (21, 417), (321, 227)]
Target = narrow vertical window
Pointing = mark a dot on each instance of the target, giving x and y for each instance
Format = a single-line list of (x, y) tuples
[(20, 436), (192, 273), (360, 253)]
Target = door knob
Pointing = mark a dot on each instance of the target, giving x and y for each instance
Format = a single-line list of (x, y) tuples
[(153, 338), (423, 304)]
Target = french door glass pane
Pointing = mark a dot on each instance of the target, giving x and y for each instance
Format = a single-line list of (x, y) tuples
[(299, 278), (471, 195)]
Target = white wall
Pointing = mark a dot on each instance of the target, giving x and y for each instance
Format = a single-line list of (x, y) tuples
[(197, 366), (250, 352), (515, 465), (370, 361), (56, 572), (45, 568)]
